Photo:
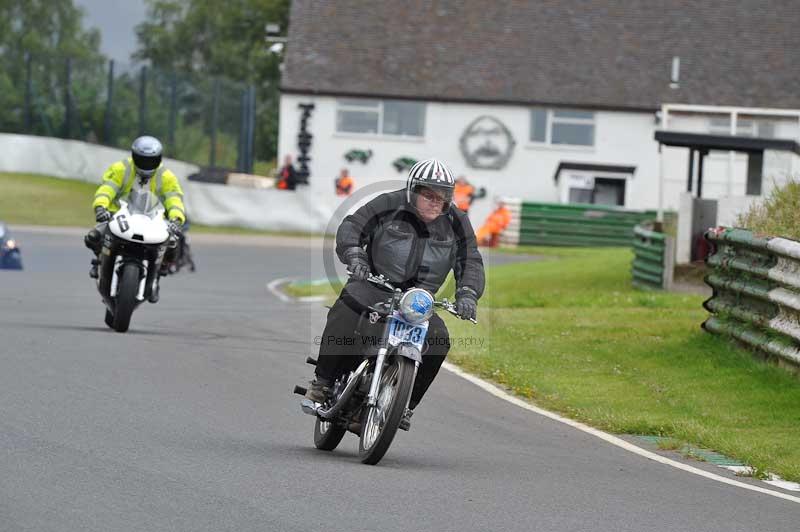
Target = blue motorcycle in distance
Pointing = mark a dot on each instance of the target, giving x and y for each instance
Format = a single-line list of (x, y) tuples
[(10, 256)]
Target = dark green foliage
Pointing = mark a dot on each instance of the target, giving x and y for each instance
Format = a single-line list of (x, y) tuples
[(47, 31), (190, 48), (206, 39), (777, 215)]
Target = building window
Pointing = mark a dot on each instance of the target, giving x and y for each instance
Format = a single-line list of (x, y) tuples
[(385, 117), (358, 116), (745, 127), (596, 190), (569, 127)]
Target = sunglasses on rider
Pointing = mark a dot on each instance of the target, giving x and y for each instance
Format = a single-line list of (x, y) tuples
[(431, 196)]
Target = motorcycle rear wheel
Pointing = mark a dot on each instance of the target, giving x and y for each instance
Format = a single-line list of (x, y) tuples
[(327, 435), (379, 422)]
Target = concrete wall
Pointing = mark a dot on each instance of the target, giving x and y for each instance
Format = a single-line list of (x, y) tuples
[(729, 209), (683, 242), (205, 203), (271, 209), (67, 159)]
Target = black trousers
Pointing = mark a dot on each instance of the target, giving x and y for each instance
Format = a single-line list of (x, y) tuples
[(341, 349), (94, 239)]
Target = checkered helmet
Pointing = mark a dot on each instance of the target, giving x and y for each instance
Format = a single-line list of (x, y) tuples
[(434, 174)]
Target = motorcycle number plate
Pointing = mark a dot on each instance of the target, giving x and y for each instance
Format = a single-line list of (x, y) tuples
[(400, 331)]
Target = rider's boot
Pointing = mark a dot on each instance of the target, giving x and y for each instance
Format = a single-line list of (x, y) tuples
[(319, 390), (93, 270), (155, 290), (405, 422)]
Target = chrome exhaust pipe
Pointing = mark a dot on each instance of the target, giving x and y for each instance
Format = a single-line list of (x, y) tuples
[(351, 386)]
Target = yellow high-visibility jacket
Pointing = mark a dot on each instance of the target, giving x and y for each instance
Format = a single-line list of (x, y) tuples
[(118, 181)]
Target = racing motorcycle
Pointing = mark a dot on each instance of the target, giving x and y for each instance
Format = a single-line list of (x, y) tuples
[(372, 399), (134, 244)]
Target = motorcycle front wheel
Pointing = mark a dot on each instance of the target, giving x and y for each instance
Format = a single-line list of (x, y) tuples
[(379, 422), (126, 296)]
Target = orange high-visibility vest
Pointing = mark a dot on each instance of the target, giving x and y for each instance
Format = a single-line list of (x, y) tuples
[(344, 186), (462, 196), (494, 225)]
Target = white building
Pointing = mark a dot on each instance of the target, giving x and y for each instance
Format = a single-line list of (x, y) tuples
[(546, 102)]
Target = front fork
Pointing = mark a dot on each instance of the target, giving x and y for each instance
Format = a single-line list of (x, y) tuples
[(110, 263), (143, 277), (372, 396)]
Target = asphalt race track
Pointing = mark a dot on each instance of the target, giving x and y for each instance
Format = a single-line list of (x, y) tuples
[(187, 423)]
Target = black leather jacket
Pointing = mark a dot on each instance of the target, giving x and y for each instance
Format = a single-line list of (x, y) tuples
[(409, 252)]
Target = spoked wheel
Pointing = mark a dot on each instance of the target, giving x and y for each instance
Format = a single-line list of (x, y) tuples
[(379, 423), (327, 435)]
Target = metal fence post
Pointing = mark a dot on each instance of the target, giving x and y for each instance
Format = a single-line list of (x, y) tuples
[(28, 113), (241, 159), (173, 111), (67, 100), (669, 262), (251, 129), (212, 156), (108, 121), (143, 101)]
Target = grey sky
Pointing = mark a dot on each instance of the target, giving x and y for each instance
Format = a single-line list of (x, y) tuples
[(116, 20)]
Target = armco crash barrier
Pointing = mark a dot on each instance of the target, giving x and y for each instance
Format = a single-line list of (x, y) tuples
[(756, 300), (552, 224), (654, 258)]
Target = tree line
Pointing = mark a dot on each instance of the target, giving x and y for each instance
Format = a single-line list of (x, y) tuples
[(196, 64)]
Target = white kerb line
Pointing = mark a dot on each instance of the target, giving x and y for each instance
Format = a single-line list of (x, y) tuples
[(272, 286)]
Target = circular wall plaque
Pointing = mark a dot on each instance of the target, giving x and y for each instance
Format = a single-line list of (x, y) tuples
[(487, 143)]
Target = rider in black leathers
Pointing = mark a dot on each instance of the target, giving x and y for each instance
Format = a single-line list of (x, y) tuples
[(414, 237)]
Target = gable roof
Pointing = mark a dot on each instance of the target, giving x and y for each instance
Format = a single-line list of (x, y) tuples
[(588, 53)]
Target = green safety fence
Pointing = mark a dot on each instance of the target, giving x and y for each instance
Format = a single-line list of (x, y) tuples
[(756, 291), (552, 224), (653, 262)]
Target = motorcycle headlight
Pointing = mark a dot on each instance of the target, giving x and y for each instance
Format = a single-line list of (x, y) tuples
[(10, 244), (416, 305)]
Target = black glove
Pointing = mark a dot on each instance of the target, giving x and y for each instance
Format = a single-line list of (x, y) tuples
[(101, 214), (466, 303), (358, 263), (175, 227)]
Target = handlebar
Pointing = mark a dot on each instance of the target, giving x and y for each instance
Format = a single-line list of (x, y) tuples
[(444, 304), (451, 308), (380, 280)]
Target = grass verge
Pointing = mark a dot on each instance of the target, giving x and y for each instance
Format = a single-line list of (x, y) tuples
[(573, 336), (314, 288), (38, 200)]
